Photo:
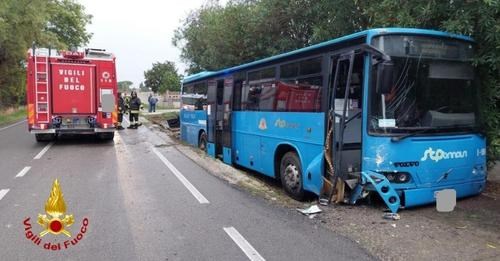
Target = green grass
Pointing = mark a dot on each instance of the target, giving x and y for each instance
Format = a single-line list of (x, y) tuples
[(7, 117), (170, 115)]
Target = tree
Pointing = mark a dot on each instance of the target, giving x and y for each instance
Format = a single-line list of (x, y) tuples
[(67, 20), (143, 87), (163, 77), (124, 86), (214, 37), (48, 23)]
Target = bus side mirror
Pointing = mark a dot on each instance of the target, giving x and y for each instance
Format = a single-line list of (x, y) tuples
[(385, 80)]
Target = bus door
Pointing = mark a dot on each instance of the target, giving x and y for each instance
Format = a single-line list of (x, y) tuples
[(219, 119), (346, 111)]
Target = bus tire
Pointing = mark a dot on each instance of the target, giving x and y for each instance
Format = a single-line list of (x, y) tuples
[(42, 137), (291, 175), (202, 141)]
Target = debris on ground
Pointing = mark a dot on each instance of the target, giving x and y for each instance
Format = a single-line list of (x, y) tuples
[(314, 209), (312, 216), (392, 216), (173, 123)]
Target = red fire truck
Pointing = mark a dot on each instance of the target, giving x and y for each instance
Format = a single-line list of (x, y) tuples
[(71, 92)]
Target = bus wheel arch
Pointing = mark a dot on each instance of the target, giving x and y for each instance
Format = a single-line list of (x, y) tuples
[(202, 140), (288, 169)]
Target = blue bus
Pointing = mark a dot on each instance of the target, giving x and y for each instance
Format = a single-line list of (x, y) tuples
[(392, 111)]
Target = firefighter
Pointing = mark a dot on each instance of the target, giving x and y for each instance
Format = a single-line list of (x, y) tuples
[(121, 111), (134, 106)]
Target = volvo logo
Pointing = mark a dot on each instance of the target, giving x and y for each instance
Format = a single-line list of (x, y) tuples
[(406, 164)]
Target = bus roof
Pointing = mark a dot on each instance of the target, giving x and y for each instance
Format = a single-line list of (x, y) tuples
[(368, 33)]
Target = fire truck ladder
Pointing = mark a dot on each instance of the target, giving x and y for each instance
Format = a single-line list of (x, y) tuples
[(41, 85)]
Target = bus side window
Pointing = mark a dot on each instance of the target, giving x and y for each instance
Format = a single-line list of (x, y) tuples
[(187, 89), (355, 88), (259, 92), (200, 91), (299, 89), (266, 99), (253, 98), (220, 92), (238, 89)]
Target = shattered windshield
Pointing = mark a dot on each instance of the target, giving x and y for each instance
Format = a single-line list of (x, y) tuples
[(434, 86)]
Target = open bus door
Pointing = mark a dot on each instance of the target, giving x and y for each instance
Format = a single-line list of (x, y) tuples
[(344, 148), (344, 125), (219, 97)]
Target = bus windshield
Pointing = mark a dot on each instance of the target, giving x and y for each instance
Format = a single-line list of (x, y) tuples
[(434, 86)]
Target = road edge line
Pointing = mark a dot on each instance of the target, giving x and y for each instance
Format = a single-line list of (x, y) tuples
[(243, 244), (195, 192), (12, 125)]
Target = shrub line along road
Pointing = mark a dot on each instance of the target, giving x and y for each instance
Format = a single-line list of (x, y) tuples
[(145, 201)]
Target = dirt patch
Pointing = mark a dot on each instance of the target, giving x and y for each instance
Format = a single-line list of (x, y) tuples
[(160, 119), (470, 232), (492, 189)]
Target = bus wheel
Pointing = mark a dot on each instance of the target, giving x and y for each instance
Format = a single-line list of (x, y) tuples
[(291, 175), (202, 141), (44, 137)]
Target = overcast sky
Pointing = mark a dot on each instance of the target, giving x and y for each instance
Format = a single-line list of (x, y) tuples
[(139, 33)]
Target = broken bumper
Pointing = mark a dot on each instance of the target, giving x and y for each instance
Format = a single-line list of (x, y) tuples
[(422, 196)]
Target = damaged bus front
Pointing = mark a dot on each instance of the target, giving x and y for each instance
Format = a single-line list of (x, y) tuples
[(421, 133)]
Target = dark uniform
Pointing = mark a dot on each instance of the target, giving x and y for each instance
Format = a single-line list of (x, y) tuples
[(121, 111), (134, 106)]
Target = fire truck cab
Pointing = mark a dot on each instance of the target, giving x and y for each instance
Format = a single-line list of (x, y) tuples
[(71, 92)]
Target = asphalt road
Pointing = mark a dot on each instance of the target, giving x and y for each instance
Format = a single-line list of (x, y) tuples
[(144, 201)]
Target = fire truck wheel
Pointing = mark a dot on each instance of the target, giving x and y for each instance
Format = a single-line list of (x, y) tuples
[(108, 136), (44, 137), (291, 175)]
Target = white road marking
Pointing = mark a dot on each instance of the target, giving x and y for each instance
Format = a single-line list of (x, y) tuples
[(248, 249), (12, 125), (40, 154), (181, 177), (3, 192), (23, 172)]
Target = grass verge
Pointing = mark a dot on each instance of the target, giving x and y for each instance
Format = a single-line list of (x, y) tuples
[(155, 118), (11, 116)]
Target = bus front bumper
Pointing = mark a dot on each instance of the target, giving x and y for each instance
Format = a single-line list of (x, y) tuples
[(422, 196)]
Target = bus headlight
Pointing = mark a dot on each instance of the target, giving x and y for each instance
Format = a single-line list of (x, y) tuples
[(397, 177), (391, 177), (403, 177)]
